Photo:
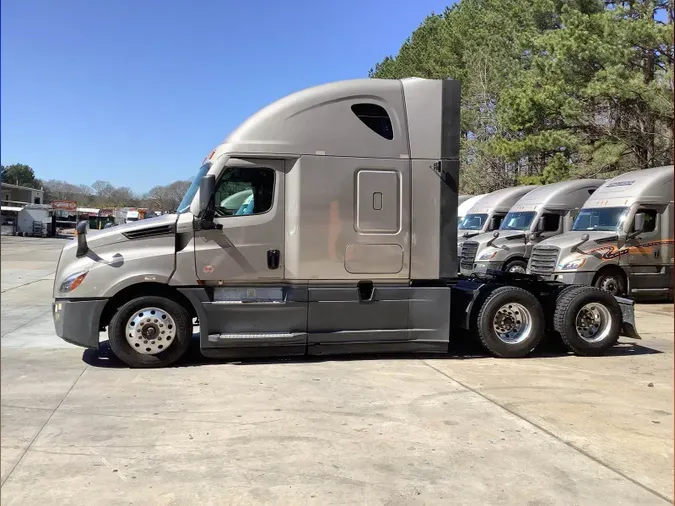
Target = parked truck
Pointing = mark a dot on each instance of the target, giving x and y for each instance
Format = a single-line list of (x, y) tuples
[(621, 240), (544, 212), (487, 213), (347, 244)]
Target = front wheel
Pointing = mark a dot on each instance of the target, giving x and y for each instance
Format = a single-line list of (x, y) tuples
[(516, 267), (611, 282), (588, 320), (510, 322), (150, 331)]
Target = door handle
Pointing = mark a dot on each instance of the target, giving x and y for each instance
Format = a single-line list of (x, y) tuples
[(273, 257)]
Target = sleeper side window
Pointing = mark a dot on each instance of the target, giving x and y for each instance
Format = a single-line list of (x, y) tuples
[(244, 191), (376, 118)]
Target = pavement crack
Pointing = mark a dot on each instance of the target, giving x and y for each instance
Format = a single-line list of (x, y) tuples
[(37, 434), (41, 315), (46, 278), (552, 434)]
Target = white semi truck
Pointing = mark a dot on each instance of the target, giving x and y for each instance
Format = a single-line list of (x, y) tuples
[(621, 240), (465, 205), (346, 244), (544, 212), (487, 213)]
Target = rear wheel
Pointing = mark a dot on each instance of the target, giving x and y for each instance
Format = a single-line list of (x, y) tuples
[(588, 320), (516, 266), (150, 332), (510, 322)]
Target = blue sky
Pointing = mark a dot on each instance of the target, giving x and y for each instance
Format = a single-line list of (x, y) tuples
[(137, 92)]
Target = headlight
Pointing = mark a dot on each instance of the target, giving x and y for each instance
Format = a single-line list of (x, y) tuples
[(72, 282), (489, 255), (572, 265)]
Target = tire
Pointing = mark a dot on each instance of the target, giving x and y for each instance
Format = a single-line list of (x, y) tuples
[(587, 301), (612, 282), (500, 311), (519, 265), (170, 337)]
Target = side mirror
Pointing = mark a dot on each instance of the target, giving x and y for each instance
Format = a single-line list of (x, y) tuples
[(207, 187), (207, 190), (639, 223), (494, 237), (540, 225), (494, 223), (584, 238), (82, 246)]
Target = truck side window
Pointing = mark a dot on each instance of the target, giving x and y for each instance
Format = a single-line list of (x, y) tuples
[(376, 118), (551, 222), (650, 220), (244, 191)]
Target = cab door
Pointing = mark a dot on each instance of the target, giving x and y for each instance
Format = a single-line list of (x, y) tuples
[(247, 305), (645, 265), (249, 205)]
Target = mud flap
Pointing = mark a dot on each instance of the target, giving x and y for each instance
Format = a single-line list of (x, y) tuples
[(628, 318)]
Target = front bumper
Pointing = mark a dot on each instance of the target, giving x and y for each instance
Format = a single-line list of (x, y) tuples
[(572, 277), (480, 267), (77, 321)]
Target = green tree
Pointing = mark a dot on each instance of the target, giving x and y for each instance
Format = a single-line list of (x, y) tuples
[(485, 45), (596, 99), (20, 174), (551, 89)]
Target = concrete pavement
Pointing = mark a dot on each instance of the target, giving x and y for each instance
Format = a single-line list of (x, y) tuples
[(553, 429)]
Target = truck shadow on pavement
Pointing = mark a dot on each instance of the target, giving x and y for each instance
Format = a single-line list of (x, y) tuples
[(461, 349)]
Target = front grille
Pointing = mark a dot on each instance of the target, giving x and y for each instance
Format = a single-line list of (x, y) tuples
[(543, 260), (468, 255), (149, 232)]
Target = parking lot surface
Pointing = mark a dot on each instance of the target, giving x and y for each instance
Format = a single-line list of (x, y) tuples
[(79, 428)]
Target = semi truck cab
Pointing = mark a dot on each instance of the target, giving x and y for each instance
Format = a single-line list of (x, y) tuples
[(487, 213), (542, 213), (621, 240)]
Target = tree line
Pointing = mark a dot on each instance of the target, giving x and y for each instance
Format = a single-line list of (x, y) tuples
[(101, 194), (551, 89)]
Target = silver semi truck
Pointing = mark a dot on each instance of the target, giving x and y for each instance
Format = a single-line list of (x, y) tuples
[(621, 241), (344, 243), (487, 213), (540, 214)]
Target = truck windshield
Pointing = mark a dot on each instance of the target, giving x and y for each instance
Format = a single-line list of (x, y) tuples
[(518, 220), (192, 190), (473, 222), (608, 219)]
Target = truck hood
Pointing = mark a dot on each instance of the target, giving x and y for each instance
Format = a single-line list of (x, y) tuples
[(112, 235), (506, 238), (569, 239)]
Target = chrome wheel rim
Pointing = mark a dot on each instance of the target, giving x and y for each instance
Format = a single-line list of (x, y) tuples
[(150, 331), (517, 269), (593, 322), (512, 323)]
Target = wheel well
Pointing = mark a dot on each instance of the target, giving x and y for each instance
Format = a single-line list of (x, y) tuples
[(138, 290), (615, 269), (513, 259)]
